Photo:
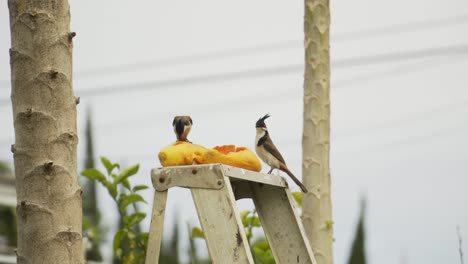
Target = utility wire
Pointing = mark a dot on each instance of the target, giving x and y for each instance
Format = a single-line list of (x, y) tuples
[(269, 47), (401, 143), (276, 46), (273, 95), (269, 71), (402, 28), (276, 70), (389, 73)]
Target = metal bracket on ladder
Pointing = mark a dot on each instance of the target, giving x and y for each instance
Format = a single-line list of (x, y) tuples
[(215, 189)]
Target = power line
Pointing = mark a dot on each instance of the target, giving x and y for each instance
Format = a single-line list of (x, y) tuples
[(284, 94), (275, 70), (438, 111), (269, 47), (407, 27), (269, 71), (266, 98), (420, 138), (389, 73), (393, 144), (275, 46), (402, 56)]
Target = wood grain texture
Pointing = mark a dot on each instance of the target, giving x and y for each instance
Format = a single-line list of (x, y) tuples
[(282, 226), (221, 223), (156, 227), (192, 176), (207, 176)]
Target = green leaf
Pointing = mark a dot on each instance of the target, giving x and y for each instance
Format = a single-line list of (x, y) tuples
[(254, 221), (143, 237), (243, 216), (126, 184), (118, 253), (262, 244), (131, 236), (127, 172), (134, 218), (94, 174), (118, 237), (197, 232), (139, 257), (263, 256), (112, 188), (248, 234), (126, 200), (259, 255), (139, 187), (109, 166), (298, 197)]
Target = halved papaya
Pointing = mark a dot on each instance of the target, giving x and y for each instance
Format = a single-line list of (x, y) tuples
[(240, 157), (184, 153), (181, 153)]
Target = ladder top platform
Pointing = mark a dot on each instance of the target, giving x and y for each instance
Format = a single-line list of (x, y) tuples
[(209, 176), (215, 189)]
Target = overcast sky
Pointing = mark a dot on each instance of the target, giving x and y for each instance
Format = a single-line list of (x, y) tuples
[(399, 102)]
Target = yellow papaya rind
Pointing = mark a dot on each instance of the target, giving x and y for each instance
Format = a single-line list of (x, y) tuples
[(185, 153)]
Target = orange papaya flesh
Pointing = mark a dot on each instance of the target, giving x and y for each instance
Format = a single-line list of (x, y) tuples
[(184, 153), (231, 155)]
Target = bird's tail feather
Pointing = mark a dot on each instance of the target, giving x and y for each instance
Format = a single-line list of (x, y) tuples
[(296, 180)]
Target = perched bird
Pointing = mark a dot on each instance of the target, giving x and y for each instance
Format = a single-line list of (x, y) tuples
[(182, 126), (268, 152)]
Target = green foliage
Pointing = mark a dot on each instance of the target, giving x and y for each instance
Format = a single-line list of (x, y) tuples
[(261, 252), (109, 165), (170, 247), (126, 200), (298, 197), (129, 242), (139, 188), (8, 225), (4, 167), (94, 174), (358, 250), (91, 216), (260, 248), (95, 235), (197, 233)]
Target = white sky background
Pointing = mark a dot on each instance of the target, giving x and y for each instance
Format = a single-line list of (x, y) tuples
[(398, 128)]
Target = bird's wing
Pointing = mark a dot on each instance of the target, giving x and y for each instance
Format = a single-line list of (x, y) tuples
[(270, 147)]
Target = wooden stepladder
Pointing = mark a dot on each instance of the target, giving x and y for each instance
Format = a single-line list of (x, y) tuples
[(215, 189)]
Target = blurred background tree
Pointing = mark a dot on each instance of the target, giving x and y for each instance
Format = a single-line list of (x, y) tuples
[(358, 250), (8, 224), (91, 216)]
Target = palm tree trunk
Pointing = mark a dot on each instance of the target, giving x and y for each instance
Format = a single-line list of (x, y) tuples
[(317, 210), (44, 111)]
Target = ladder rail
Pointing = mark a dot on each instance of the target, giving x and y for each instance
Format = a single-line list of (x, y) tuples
[(281, 224), (156, 227), (222, 226), (215, 188)]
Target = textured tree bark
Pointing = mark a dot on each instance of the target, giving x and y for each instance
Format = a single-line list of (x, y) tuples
[(44, 111), (317, 210)]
